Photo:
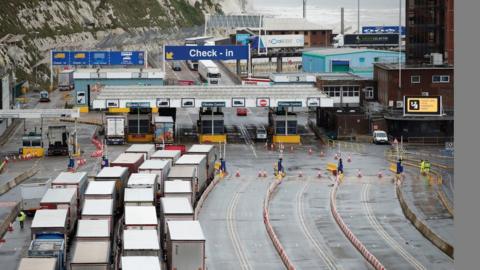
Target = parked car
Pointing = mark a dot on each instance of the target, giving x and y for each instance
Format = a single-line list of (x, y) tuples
[(242, 111), (380, 137), (176, 66)]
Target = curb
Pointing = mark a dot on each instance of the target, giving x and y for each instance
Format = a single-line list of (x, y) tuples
[(349, 234), (19, 179), (421, 226), (204, 196), (271, 233)]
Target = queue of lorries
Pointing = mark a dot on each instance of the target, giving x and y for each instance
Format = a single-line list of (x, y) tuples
[(133, 215)]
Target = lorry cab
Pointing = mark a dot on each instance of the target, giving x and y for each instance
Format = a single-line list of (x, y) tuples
[(176, 66), (261, 134), (44, 96), (380, 137)]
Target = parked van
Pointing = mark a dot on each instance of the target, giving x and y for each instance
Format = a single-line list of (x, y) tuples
[(380, 137)]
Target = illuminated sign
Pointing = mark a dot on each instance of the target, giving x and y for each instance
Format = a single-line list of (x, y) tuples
[(421, 105)]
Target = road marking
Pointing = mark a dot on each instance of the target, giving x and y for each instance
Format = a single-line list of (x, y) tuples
[(326, 257), (381, 231), (232, 229)]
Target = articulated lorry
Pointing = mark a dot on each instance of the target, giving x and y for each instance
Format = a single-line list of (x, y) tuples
[(209, 71), (65, 80), (115, 129)]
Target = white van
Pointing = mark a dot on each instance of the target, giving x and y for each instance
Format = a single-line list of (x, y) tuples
[(380, 137)]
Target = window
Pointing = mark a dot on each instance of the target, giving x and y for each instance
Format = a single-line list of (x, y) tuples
[(376, 59), (362, 59), (296, 32), (440, 78), (369, 92), (332, 91), (415, 79)]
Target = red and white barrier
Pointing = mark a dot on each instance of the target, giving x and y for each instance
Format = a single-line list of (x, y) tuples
[(271, 233), (349, 234)]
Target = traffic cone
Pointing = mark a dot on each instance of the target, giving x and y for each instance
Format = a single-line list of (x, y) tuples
[(349, 159), (359, 173), (10, 227), (6, 159), (319, 174), (237, 174), (300, 174), (310, 151), (380, 174), (14, 158), (264, 173), (266, 145), (260, 174), (336, 157), (2, 240), (322, 154), (272, 146)]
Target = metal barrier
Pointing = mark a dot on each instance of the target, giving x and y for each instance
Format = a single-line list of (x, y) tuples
[(428, 140)]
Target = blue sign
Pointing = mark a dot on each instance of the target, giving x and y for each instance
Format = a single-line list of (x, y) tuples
[(99, 58), (225, 52), (60, 58), (242, 38), (126, 58), (79, 58), (382, 29), (65, 58)]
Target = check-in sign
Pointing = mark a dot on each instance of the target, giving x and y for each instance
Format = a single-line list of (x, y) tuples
[(420, 105), (289, 104), (225, 52)]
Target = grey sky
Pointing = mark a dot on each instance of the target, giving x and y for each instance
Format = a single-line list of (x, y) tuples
[(329, 4)]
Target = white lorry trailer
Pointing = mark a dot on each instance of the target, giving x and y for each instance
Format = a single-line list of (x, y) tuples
[(32, 191), (209, 71), (115, 129)]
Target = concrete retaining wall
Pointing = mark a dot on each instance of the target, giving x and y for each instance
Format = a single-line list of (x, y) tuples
[(421, 226)]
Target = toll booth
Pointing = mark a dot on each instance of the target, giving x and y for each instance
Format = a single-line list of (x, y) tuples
[(32, 144), (283, 126), (139, 127), (211, 126)]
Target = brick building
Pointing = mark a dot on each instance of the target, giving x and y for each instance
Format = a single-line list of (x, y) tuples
[(416, 80), (429, 25)]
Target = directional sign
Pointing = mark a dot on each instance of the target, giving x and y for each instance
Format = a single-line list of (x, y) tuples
[(98, 58), (209, 104), (205, 52), (79, 58), (126, 58), (60, 58), (421, 105), (289, 104)]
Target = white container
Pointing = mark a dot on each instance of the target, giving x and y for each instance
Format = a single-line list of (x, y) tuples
[(32, 191), (174, 209), (211, 152), (117, 174), (140, 262), (48, 221), (98, 210), (64, 198), (38, 264), (88, 255), (115, 129), (172, 155), (185, 245), (129, 160), (200, 163), (146, 149), (93, 230), (100, 190), (158, 167), (139, 197), (77, 180), (179, 189), (142, 180), (140, 243), (141, 217)]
